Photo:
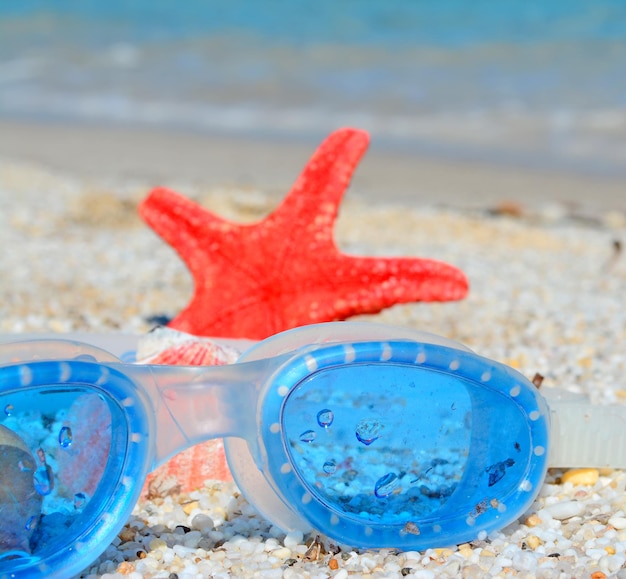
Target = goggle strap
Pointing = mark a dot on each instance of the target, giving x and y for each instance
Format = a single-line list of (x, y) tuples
[(586, 435)]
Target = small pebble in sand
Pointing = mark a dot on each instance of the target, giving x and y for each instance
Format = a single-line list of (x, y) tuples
[(581, 476), (125, 568), (618, 522), (533, 520), (533, 541), (564, 509)]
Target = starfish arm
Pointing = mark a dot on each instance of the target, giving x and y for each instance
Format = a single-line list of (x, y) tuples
[(367, 285), (182, 223), (315, 196)]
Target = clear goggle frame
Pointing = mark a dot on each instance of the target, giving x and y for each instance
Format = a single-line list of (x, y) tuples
[(373, 435)]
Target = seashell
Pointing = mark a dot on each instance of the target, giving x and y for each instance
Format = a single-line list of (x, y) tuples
[(167, 346), (193, 467), (20, 504), (192, 354)]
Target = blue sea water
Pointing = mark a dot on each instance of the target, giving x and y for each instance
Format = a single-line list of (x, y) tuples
[(528, 81)]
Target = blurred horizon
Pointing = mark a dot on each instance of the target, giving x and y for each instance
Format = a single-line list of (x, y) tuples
[(530, 83)]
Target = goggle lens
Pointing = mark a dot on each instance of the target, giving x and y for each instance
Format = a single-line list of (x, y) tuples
[(382, 452), (65, 445), (366, 448)]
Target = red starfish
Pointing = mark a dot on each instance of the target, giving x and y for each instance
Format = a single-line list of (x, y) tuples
[(253, 280)]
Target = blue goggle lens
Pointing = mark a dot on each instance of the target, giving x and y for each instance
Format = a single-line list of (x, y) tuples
[(65, 482), (55, 446), (366, 450), (409, 453)]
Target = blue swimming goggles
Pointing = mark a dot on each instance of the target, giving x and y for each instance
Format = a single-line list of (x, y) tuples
[(373, 435)]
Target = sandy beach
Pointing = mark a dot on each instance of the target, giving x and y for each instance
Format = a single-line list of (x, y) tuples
[(542, 250)]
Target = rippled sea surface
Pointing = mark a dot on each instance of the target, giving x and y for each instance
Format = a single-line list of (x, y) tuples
[(536, 83)]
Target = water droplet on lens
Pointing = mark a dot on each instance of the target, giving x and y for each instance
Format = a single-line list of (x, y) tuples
[(368, 430), (79, 500), (8, 409), (31, 523), (307, 436), (330, 466), (386, 485), (325, 417), (65, 436)]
